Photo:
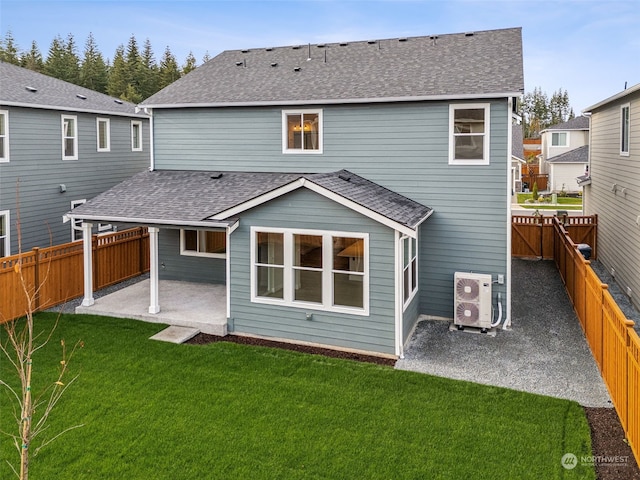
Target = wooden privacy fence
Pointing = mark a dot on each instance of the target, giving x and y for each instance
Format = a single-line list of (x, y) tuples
[(54, 275), (613, 341), (533, 236)]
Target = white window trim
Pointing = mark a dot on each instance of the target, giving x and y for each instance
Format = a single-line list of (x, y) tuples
[(567, 137), (194, 253), (5, 158), (414, 288), (487, 133), (327, 282), (75, 136), (76, 225), (7, 237), (622, 108), (139, 124), (300, 151), (108, 134)]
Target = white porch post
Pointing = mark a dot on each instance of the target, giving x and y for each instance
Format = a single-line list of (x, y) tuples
[(88, 300), (154, 305)]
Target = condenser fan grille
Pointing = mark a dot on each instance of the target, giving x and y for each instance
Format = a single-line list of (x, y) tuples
[(467, 312), (467, 289)]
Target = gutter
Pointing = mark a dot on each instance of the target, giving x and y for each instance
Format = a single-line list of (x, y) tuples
[(71, 109), (231, 223)]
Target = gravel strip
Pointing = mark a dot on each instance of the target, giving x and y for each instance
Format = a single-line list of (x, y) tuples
[(545, 351)]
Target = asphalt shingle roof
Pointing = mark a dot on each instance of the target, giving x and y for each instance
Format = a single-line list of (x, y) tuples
[(517, 143), (446, 66), (24, 87), (577, 155), (180, 197), (577, 123)]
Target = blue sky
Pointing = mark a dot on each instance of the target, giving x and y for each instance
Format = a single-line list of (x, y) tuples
[(590, 48)]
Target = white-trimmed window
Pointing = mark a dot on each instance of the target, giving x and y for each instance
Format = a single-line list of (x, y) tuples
[(311, 269), (624, 130), (409, 269), (4, 136), (103, 134), (5, 231), (469, 134), (302, 131), (69, 137), (559, 139), (203, 243), (76, 224), (136, 136)]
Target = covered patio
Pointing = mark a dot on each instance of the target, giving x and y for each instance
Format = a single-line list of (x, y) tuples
[(185, 304)]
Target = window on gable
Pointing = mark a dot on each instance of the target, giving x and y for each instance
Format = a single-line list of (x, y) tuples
[(203, 243), (136, 136), (302, 131), (4, 136), (624, 130), (409, 268), (310, 269), (76, 225), (103, 126), (69, 137), (559, 139), (469, 134), (5, 244)]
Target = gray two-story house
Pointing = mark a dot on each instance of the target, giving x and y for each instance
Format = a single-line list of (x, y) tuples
[(60, 145), (334, 189)]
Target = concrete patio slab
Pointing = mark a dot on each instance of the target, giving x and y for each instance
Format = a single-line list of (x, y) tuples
[(175, 334)]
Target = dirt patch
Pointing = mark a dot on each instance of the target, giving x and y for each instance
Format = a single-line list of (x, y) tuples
[(613, 457)]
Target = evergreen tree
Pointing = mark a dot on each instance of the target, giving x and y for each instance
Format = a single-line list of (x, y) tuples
[(9, 49), (149, 72), (54, 65), (169, 71), (32, 59), (117, 84), (190, 64), (71, 61), (131, 94), (559, 109), (93, 72), (133, 69)]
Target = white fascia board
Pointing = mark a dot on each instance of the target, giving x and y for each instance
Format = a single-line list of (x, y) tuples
[(613, 98), (72, 109), (231, 223), (337, 101)]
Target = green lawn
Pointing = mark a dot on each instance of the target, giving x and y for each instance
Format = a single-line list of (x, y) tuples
[(154, 410)]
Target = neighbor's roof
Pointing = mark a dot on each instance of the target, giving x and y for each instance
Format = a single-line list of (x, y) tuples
[(613, 98), (517, 144), (22, 87), (201, 198), (484, 64), (577, 123), (577, 155)]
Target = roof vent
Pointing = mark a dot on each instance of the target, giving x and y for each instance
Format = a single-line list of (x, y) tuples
[(31, 89), (321, 45), (469, 34), (434, 39), (345, 177), (244, 51), (344, 44), (296, 47), (216, 175), (269, 49), (119, 102), (80, 96), (371, 42), (239, 64), (274, 64), (402, 39), (296, 69)]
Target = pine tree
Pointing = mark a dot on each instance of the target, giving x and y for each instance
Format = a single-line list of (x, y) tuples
[(148, 80), (9, 49), (190, 64), (133, 69), (169, 71), (117, 84), (71, 61), (54, 65), (93, 72), (32, 59)]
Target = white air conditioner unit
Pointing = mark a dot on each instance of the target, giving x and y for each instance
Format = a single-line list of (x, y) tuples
[(472, 293)]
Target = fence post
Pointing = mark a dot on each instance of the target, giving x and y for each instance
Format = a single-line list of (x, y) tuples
[(36, 277)]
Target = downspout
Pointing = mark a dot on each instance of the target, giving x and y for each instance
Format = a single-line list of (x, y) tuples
[(152, 158), (507, 320), (398, 294)]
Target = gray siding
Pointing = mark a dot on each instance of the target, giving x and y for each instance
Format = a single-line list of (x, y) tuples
[(401, 146), (36, 161), (618, 212), (410, 318), (173, 266), (308, 210)]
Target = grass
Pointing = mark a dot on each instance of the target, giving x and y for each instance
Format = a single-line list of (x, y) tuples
[(222, 410), (564, 203)]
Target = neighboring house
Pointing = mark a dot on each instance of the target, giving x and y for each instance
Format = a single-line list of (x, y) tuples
[(517, 158), (612, 188), (562, 140), (334, 189), (60, 145)]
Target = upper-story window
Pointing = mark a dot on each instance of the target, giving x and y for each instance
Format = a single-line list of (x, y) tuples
[(302, 131), (624, 130), (5, 245), (559, 139), (103, 133), (469, 134), (69, 137), (4, 136), (203, 243), (136, 136)]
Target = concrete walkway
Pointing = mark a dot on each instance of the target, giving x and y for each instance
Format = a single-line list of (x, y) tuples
[(545, 352)]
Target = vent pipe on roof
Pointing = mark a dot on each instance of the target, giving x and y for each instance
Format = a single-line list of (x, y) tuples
[(81, 97), (31, 89), (325, 56), (434, 39), (309, 54)]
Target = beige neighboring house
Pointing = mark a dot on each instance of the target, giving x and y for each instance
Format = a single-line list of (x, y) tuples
[(563, 155), (612, 188)]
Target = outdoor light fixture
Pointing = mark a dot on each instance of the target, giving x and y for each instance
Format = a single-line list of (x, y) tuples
[(63, 188)]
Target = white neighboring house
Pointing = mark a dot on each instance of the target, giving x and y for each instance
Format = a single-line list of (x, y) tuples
[(564, 156)]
